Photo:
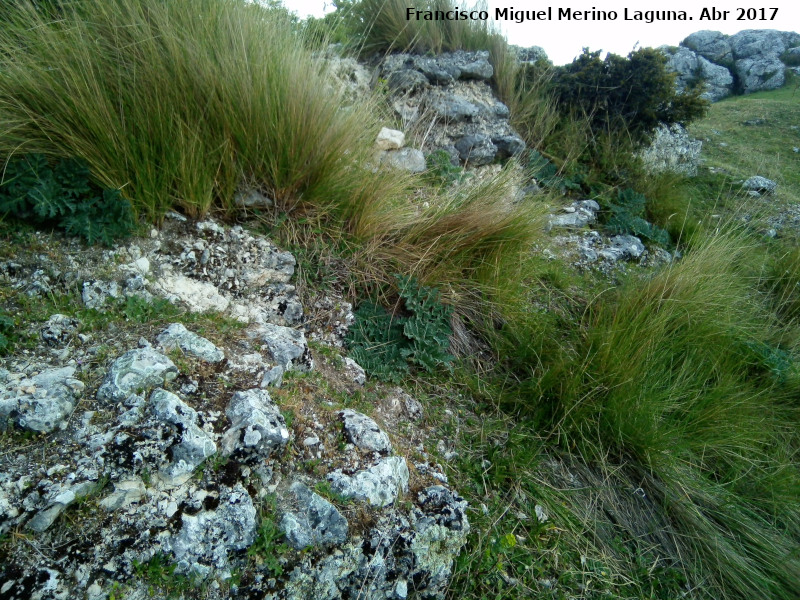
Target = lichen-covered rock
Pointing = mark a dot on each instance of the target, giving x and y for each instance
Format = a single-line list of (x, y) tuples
[(60, 499), (125, 493), (579, 214), (690, 66), (313, 520), (623, 247), (136, 372), (355, 371), (402, 555), (672, 150), (448, 95), (476, 149), (756, 43), (205, 539), (257, 426), (190, 444), (760, 73), (288, 347), (364, 432), (177, 336), (97, 293), (59, 329), (440, 534), (378, 486), (760, 184), (712, 45), (199, 296), (42, 402)]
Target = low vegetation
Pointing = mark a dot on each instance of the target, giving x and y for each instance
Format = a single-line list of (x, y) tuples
[(630, 440)]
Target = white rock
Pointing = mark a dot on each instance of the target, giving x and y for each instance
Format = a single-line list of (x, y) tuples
[(390, 139), (197, 295)]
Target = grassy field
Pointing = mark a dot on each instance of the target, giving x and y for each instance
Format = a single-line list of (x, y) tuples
[(637, 440)]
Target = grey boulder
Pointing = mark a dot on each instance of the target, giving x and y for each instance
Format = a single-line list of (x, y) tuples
[(313, 522), (378, 486), (190, 444), (364, 432), (257, 426), (136, 372), (177, 336), (40, 403)]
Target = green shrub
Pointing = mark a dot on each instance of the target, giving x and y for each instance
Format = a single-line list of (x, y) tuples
[(633, 94), (62, 195), (387, 345), (627, 216)]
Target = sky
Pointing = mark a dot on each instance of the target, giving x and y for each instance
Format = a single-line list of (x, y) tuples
[(564, 39)]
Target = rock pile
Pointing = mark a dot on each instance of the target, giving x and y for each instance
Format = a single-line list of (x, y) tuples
[(448, 97), (178, 455)]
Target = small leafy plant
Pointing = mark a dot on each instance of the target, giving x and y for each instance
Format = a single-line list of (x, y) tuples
[(61, 194), (546, 174), (628, 217), (268, 547), (387, 345), (441, 172)]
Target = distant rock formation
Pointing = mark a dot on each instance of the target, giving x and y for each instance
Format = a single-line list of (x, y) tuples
[(749, 61)]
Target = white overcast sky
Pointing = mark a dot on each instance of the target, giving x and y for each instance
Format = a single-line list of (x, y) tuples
[(563, 40)]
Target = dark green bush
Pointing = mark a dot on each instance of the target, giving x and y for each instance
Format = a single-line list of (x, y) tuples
[(630, 94), (62, 195), (387, 345)]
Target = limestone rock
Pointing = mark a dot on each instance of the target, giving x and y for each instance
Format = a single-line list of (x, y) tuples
[(257, 426), (59, 329), (355, 371), (476, 149), (760, 184), (42, 402), (764, 72), (199, 296), (390, 139), (191, 445), (313, 522), (712, 45), (205, 539), (378, 486), (405, 159), (288, 347), (364, 432), (579, 214), (96, 294), (672, 150), (177, 336), (752, 43), (135, 372)]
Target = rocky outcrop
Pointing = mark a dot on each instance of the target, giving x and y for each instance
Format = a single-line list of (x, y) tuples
[(749, 61), (449, 98), (692, 67), (175, 454)]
